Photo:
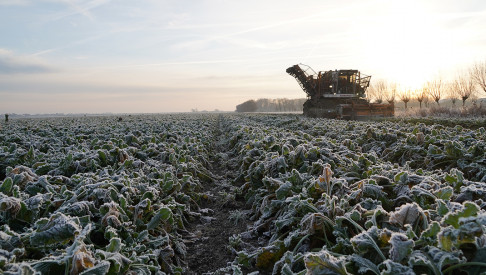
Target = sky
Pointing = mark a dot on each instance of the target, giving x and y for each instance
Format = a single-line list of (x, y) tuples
[(150, 56)]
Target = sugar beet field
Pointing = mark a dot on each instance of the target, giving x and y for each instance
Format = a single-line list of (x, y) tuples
[(240, 194)]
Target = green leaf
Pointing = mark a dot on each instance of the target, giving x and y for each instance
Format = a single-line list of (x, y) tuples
[(455, 178), (115, 245), (401, 177), (6, 186), (441, 208), (163, 214), (102, 157), (444, 193)]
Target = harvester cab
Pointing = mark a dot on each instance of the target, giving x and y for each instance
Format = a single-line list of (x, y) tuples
[(337, 94)]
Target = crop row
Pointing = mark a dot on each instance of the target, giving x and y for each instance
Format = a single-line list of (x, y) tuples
[(101, 195), (340, 197)]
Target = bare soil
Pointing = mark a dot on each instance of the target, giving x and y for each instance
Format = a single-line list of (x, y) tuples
[(207, 246)]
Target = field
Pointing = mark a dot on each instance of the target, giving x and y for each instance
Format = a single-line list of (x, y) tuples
[(239, 194)]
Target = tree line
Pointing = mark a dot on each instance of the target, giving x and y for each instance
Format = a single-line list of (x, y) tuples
[(465, 85), (272, 105)]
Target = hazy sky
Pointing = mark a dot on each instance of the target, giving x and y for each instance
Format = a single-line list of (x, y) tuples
[(98, 56)]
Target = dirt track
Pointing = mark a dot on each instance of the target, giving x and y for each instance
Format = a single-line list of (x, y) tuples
[(208, 246)]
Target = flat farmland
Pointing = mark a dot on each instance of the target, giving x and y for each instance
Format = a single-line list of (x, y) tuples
[(239, 194)]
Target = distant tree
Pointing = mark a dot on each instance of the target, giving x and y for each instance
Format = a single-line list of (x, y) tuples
[(435, 89), (247, 106), (421, 95), (391, 93), (279, 104), (405, 95), (452, 94), (377, 91), (464, 87), (478, 74), (426, 98)]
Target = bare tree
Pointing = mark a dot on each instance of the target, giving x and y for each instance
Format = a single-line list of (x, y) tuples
[(464, 87), (405, 95), (421, 95), (370, 93), (391, 93), (452, 92), (435, 88), (478, 74), (426, 98), (377, 91)]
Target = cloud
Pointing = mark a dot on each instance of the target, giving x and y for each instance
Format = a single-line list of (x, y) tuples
[(15, 64), (76, 8)]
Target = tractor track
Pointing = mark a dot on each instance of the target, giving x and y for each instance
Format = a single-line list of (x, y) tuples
[(208, 245)]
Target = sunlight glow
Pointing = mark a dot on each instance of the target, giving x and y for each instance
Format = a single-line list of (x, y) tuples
[(174, 56)]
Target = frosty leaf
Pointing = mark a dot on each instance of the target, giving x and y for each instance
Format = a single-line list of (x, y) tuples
[(9, 240), (117, 260), (22, 268), (394, 268), (79, 208), (366, 243), (81, 260), (163, 214), (444, 193), (100, 269), (115, 245), (364, 265), (406, 214), (442, 208), (284, 190), (58, 229), (401, 247), (401, 177), (455, 178), (470, 209), (467, 232), (283, 265), (324, 263), (434, 259), (10, 205), (325, 178), (429, 236)]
